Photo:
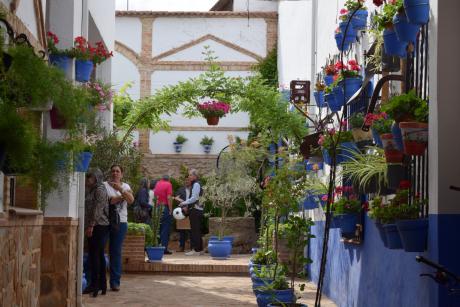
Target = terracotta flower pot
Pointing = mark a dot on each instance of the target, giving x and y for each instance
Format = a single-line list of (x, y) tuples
[(392, 154), (212, 121), (415, 137)]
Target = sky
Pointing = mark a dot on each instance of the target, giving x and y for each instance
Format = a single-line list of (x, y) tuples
[(165, 5)]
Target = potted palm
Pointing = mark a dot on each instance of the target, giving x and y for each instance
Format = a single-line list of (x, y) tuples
[(180, 140), (155, 252), (213, 111), (207, 142)]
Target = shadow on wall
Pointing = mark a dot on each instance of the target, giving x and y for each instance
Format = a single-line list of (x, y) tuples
[(370, 274)]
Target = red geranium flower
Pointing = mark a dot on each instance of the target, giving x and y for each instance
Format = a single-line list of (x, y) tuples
[(378, 2), (404, 184)]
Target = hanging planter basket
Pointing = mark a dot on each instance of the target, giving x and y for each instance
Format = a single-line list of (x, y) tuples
[(393, 238), (62, 62), (350, 86), (415, 137), (347, 223), (178, 147), (328, 79), (392, 153), (359, 20), (83, 70), (417, 11), (212, 121), (348, 34), (336, 104), (319, 99), (414, 234), (382, 234), (392, 44), (405, 31), (339, 41)]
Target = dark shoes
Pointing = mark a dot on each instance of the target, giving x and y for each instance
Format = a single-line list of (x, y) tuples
[(168, 252), (115, 288)]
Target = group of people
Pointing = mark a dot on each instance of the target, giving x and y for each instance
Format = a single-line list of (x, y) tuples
[(106, 218), (187, 198)]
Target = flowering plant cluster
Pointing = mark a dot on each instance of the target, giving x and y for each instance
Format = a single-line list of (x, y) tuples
[(352, 5), (101, 95), (343, 15), (349, 70), (214, 109), (348, 202), (330, 70), (331, 137), (52, 41), (83, 50), (381, 123), (384, 19)]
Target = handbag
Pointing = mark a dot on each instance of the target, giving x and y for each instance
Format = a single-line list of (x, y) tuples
[(114, 216)]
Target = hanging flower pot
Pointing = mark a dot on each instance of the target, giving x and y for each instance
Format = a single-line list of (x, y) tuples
[(60, 61), (417, 11), (213, 110), (392, 44), (178, 147), (392, 154), (414, 234), (350, 86), (393, 238), (359, 20), (395, 174), (319, 99), (207, 148), (212, 121), (397, 136), (405, 31), (83, 70), (415, 137), (82, 161), (347, 223), (382, 233), (339, 41), (57, 121), (348, 34), (339, 99), (328, 79), (310, 202)]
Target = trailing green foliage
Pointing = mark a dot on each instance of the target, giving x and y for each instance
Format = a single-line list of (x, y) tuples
[(268, 68)]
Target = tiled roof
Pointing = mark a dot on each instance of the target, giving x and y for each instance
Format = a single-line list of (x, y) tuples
[(205, 14)]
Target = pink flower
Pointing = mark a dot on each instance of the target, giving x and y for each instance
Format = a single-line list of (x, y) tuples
[(321, 140), (324, 197), (343, 11)]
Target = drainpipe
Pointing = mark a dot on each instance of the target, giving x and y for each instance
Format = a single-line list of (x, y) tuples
[(314, 34)]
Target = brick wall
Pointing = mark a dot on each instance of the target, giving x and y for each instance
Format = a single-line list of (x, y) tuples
[(154, 166), (59, 262), (20, 240), (133, 249)]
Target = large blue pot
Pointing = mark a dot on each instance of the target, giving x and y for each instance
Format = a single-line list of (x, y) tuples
[(329, 99), (347, 222), (339, 40), (405, 31), (328, 79), (347, 150), (225, 238), (350, 86), (377, 139), (155, 253), (414, 234), (397, 136), (393, 238), (359, 20), (319, 99), (417, 11), (392, 44), (257, 283), (382, 233), (219, 249), (60, 61), (82, 161), (350, 34), (83, 70), (275, 296), (336, 104)]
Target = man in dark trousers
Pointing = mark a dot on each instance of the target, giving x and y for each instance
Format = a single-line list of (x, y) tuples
[(196, 214)]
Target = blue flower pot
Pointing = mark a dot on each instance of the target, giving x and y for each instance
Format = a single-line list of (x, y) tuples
[(207, 148), (405, 31), (219, 249), (393, 238), (83, 70), (392, 44), (60, 61), (336, 104), (350, 86), (338, 41), (275, 296), (310, 202), (359, 20), (155, 253), (382, 233), (414, 234), (417, 11), (178, 147), (347, 223), (82, 161), (257, 283), (377, 139), (319, 98), (328, 79), (397, 136), (350, 35), (225, 238), (347, 150)]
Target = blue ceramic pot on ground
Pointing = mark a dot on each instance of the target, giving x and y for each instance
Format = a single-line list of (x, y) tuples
[(417, 11), (275, 296), (155, 253), (393, 238), (319, 99), (83, 70), (377, 139), (350, 34), (347, 222), (82, 161), (392, 44), (220, 249), (397, 136), (328, 80), (339, 41), (405, 31), (336, 104), (60, 61), (350, 86), (359, 20), (414, 234)]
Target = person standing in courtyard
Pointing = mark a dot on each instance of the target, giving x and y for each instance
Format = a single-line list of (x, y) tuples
[(163, 193), (196, 214), (120, 196), (183, 226), (97, 230)]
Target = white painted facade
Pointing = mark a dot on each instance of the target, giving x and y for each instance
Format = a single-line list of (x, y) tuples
[(255, 5)]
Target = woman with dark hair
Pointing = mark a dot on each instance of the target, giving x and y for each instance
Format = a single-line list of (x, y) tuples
[(120, 196), (97, 230), (143, 209)]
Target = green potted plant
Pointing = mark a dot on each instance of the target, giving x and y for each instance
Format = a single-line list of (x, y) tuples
[(207, 142), (213, 110), (412, 229), (87, 57), (383, 127), (359, 20), (384, 22), (346, 210), (356, 122), (155, 251), (342, 140), (61, 58), (179, 143)]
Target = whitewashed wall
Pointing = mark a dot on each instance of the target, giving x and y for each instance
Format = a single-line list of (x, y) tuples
[(129, 31), (255, 5), (26, 12), (123, 71), (101, 12)]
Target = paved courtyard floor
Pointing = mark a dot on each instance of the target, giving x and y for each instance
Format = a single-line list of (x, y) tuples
[(142, 290)]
